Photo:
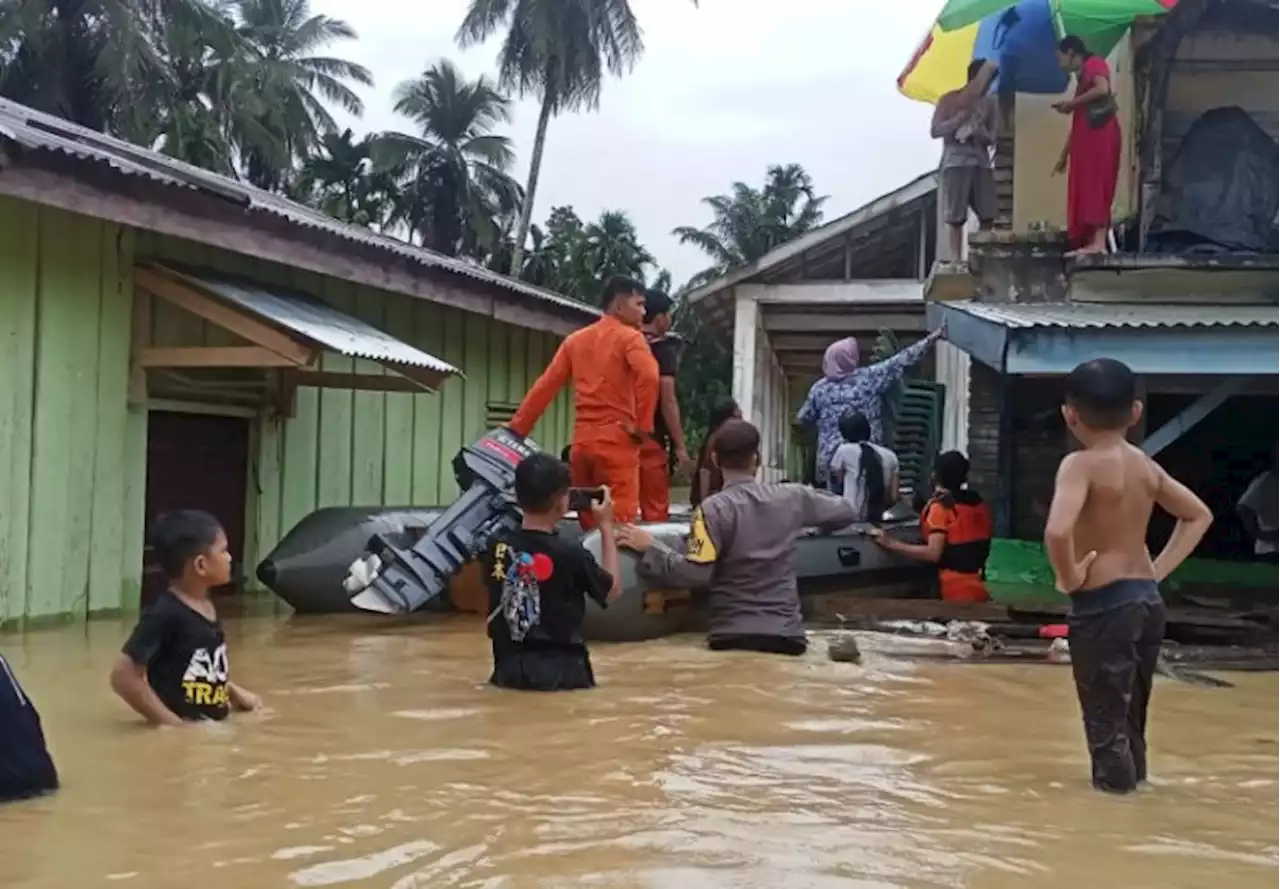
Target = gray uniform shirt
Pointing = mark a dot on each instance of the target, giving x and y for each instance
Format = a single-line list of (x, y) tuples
[(741, 545)]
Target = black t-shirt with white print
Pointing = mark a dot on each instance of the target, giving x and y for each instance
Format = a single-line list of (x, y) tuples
[(185, 654), (538, 584)]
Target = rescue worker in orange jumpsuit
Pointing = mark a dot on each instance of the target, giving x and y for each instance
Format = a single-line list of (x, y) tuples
[(615, 397), (656, 453)]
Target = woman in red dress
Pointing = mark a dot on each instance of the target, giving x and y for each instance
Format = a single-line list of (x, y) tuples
[(1091, 157)]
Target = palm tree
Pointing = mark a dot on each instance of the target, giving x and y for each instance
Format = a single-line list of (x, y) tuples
[(559, 51), (282, 37), (85, 60), (207, 100), (611, 246), (342, 180), (454, 172), (747, 223)]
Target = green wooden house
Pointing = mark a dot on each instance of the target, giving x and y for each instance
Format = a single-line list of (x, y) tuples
[(171, 338)]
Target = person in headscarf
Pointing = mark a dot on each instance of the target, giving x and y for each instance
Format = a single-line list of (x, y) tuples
[(847, 387)]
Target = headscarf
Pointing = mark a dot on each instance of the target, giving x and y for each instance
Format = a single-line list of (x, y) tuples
[(840, 359)]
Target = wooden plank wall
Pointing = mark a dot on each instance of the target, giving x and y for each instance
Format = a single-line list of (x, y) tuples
[(71, 452), (345, 448)]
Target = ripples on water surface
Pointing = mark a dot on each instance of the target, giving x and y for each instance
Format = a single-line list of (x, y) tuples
[(384, 761)]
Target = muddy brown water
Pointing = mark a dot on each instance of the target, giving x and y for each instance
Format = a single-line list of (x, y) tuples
[(383, 760)]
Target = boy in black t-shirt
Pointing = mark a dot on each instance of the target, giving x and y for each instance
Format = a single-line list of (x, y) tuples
[(26, 769), (538, 584), (174, 667)]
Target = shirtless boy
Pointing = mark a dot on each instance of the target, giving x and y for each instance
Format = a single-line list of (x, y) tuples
[(1096, 540)]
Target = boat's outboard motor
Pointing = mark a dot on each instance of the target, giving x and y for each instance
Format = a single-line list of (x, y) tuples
[(392, 580)]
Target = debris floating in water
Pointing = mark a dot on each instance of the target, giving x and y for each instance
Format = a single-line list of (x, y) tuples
[(844, 650)]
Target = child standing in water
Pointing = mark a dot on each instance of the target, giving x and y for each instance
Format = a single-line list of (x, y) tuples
[(1096, 541), (173, 669), (538, 584)]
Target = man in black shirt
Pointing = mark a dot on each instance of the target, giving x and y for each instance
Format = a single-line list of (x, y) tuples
[(668, 431), (538, 584), (26, 769), (173, 669)]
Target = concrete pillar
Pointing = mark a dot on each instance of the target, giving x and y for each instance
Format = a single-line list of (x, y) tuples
[(746, 321)]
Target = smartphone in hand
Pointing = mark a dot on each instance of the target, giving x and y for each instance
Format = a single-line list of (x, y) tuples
[(580, 499)]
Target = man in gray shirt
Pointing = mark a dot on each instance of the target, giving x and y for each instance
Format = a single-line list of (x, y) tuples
[(966, 121), (741, 545)]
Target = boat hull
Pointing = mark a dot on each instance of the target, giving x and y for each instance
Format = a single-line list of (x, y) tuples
[(847, 561), (309, 565)]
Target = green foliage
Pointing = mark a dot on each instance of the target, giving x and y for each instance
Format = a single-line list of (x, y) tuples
[(236, 86), (453, 189), (748, 222), (242, 87)]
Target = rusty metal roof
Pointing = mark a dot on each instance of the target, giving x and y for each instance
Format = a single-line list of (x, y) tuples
[(318, 322), (1105, 315), (35, 131)]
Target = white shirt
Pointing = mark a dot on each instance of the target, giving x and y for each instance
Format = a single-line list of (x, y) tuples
[(848, 460)]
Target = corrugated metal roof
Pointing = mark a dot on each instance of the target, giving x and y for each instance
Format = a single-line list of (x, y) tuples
[(320, 323), (1103, 315), (36, 131)]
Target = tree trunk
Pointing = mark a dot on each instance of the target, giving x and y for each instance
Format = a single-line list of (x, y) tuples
[(531, 188)]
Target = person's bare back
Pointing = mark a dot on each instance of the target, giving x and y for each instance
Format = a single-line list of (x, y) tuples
[(1122, 486), (1117, 486), (1096, 532)]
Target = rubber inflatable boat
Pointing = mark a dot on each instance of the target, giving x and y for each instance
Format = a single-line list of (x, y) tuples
[(399, 560), (307, 570)]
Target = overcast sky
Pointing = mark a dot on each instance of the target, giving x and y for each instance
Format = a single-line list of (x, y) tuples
[(722, 91)]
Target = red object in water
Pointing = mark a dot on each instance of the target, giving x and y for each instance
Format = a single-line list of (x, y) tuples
[(1053, 631)]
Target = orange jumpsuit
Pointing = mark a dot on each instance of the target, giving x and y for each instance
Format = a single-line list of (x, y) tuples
[(615, 397)]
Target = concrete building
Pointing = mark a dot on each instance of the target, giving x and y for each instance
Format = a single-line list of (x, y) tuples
[(172, 338), (1200, 325)]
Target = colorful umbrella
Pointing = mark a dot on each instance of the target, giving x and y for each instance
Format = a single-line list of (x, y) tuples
[(1019, 37)]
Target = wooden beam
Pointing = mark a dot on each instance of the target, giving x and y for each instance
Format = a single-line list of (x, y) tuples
[(836, 293), (212, 356), (325, 379), (233, 320), (844, 323), (1192, 414), (140, 338), (179, 406)]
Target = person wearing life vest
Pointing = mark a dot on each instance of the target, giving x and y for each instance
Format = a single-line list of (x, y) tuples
[(956, 526), (615, 398)]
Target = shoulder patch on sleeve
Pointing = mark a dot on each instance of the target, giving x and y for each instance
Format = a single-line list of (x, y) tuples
[(700, 548)]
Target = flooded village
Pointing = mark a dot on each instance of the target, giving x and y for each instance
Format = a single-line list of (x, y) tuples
[(339, 394)]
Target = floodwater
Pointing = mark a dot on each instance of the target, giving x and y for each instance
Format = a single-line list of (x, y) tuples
[(383, 760)]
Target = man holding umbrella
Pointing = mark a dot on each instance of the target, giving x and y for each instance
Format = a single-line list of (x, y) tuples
[(966, 120)]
